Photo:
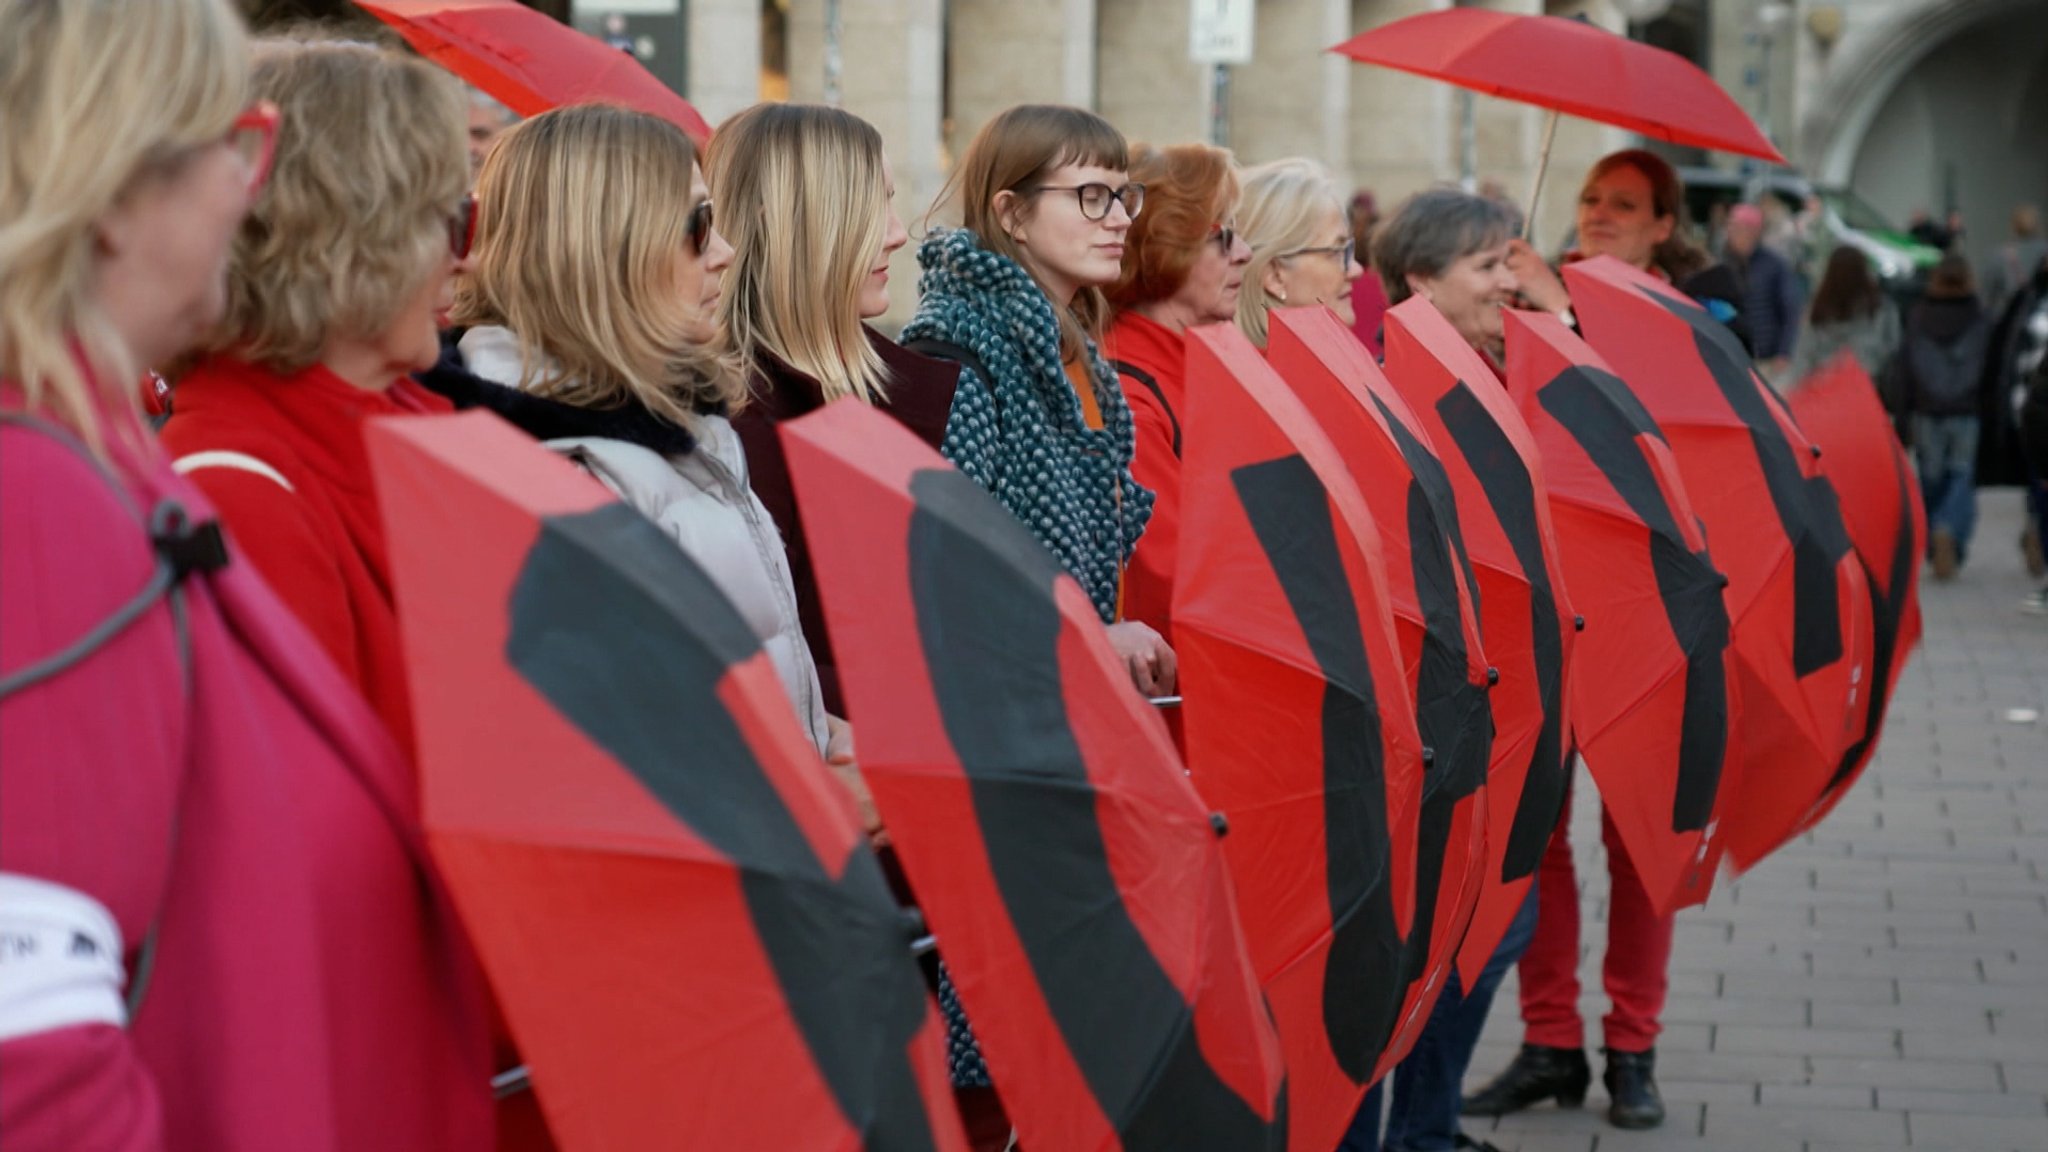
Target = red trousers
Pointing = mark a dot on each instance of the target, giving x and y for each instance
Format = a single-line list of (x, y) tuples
[(1635, 970)]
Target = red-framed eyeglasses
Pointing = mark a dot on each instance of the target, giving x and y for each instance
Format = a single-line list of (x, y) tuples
[(462, 228), (254, 138)]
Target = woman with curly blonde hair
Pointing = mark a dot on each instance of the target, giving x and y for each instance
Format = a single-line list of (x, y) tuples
[(218, 937), (335, 285)]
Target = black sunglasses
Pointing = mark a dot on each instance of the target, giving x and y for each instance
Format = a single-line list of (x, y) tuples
[(698, 227), (462, 228)]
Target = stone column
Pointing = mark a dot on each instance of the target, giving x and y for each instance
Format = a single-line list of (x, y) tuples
[(890, 77), (725, 56), (1293, 98), (1146, 85), (1003, 53), (1403, 131)]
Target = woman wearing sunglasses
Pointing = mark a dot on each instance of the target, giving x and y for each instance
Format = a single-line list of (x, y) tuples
[(217, 936), (1183, 266), (805, 196), (1303, 253), (1015, 296), (592, 300), (333, 292)]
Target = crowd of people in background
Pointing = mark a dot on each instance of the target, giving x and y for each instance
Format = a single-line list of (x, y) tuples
[(305, 233)]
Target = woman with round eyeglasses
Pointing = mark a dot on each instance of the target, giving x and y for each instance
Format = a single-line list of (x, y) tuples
[(1303, 253), (1016, 297), (218, 937), (1184, 267), (337, 283)]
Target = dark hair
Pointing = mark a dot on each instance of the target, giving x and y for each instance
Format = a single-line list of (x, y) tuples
[(1848, 291), (1678, 256), (1189, 188), (1433, 229), (1952, 279)]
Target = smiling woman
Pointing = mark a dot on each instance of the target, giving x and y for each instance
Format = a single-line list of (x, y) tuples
[(1451, 248)]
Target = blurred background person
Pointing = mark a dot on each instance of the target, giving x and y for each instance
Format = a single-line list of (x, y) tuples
[(488, 119), (1303, 252), (1849, 312), (805, 195), (1183, 266), (1770, 298), (1948, 336), (223, 931), (1368, 296)]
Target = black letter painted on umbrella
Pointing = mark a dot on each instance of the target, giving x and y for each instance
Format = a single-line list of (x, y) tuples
[(1807, 512), (1606, 420), (1505, 479), (990, 629), (1453, 714), (640, 678), (1289, 513)]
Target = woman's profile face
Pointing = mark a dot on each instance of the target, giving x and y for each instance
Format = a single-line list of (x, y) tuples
[(701, 265), (1618, 217), (1066, 246), (874, 289), (1471, 292)]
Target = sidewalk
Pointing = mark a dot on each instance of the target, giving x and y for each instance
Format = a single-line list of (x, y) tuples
[(1883, 982)]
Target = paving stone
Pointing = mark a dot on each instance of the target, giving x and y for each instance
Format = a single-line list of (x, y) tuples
[(1966, 1103), (1817, 1096), (1742, 1128), (1946, 1046), (2021, 1076), (1946, 1130), (1749, 1038)]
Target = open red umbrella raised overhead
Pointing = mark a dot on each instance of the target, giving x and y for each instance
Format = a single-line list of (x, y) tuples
[(530, 61), (1568, 66)]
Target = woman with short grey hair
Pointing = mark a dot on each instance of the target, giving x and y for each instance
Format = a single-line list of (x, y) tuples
[(1451, 248)]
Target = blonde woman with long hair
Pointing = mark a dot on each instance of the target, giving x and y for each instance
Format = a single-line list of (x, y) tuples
[(804, 193), (231, 948), (590, 307)]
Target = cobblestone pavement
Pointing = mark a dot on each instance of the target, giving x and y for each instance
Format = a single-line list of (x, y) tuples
[(1882, 982)]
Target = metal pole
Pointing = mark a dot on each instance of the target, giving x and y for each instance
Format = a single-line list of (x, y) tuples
[(1542, 163), (1468, 141), (835, 30), (1219, 105)]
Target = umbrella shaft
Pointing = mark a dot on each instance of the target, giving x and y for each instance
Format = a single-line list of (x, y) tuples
[(1542, 164), (511, 1082)]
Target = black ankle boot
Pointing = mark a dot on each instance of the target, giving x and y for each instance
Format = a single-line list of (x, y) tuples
[(1537, 1074), (1631, 1080)]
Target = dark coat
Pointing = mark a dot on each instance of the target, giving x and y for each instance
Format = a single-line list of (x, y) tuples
[(1772, 301), (920, 394)]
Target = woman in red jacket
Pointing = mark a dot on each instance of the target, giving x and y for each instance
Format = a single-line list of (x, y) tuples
[(1183, 267), (335, 286), (222, 932)]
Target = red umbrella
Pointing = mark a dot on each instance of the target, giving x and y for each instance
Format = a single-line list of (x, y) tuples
[(1570, 67), (1838, 407), (684, 925), (1797, 596), (1650, 706), (1435, 619), (1074, 879), (1525, 620), (1299, 721), (530, 61)]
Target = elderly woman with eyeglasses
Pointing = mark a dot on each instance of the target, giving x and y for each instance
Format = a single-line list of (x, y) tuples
[(1303, 253), (335, 286), (1184, 265)]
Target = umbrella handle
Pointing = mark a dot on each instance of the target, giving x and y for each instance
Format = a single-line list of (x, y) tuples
[(1164, 701), (1542, 165), (511, 1082)]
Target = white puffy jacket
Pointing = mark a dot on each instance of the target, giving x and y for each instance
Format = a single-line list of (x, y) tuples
[(701, 499)]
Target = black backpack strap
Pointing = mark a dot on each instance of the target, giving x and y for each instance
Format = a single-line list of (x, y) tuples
[(955, 353), (1126, 368)]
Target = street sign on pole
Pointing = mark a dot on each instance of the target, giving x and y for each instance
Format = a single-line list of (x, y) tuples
[(1220, 31)]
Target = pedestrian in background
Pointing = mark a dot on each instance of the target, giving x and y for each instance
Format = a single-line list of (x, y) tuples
[(1948, 336), (223, 928), (1368, 296), (1770, 298), (1184, 266), (805, 196), (1850, 312)]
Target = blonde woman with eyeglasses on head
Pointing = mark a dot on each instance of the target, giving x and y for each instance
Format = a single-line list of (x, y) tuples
[(804, 195), (218, 941), (1303, 254), (592, 305)]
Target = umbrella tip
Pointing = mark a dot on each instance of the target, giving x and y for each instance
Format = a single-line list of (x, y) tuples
[(1492, 676), (1220, 823), (1429, 757), (1578, 623), (1815, 449)]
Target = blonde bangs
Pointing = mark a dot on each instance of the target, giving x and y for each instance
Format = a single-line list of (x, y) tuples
[(581, 215), (145, 84), (801, 196)]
